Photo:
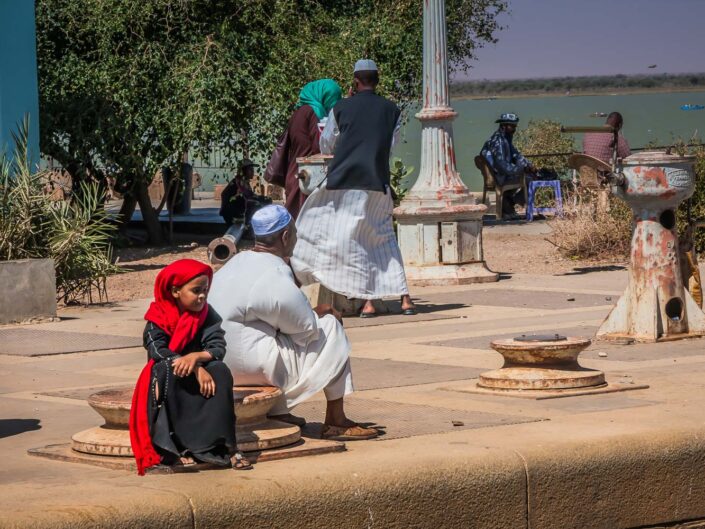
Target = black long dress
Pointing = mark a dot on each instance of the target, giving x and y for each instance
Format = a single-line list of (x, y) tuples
[(183, 422)]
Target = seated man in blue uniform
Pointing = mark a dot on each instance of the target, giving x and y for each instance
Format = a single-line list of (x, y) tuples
[(507, 163)]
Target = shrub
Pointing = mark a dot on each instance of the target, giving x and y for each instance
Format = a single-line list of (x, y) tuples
[(545, 136), (75, 234), (588, 232)]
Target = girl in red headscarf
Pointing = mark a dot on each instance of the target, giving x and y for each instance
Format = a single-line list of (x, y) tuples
[(182, 408)]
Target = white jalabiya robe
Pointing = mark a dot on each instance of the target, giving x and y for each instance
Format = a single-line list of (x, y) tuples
[(346, 237), (273, 336), (346, 242)]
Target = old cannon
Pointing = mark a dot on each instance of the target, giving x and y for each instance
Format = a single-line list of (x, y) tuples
[(222, 249)]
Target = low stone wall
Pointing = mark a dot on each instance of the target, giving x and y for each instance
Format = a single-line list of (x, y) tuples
[(28, 290)]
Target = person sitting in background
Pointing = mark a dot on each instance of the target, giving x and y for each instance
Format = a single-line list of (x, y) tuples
[(601, 144), (508, 165), (238, 201)]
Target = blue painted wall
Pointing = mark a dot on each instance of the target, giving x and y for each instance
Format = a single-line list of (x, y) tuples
[(18, 73)]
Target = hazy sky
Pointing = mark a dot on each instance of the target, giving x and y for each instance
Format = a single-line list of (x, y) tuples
[(553, 38)]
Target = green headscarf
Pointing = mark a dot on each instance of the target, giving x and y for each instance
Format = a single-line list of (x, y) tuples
[(321, 96)]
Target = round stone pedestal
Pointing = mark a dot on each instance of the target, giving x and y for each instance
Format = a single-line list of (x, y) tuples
[(254, 431), (537, 363), (113, 437)]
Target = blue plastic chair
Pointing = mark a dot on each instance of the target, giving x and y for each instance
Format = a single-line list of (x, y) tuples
[(533, 186)]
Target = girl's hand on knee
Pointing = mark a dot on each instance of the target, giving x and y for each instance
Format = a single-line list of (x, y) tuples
[(206, 382), (185, 365)]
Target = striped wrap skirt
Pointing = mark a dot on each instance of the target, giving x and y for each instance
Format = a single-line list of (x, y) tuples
[(346, 242)]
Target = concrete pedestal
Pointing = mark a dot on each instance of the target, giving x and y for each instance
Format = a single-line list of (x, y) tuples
[(444, 248), (440, 221), (255, 431), (29, 291), (113, 437), (540, 365)]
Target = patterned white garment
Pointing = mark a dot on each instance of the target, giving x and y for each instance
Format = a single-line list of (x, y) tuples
[(346, 242)]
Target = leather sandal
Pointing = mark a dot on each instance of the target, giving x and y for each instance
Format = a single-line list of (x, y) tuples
[(240, 462), (348, 433)]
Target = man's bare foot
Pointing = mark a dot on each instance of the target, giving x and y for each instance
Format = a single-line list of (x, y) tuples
[(407, 306), (368, 310)]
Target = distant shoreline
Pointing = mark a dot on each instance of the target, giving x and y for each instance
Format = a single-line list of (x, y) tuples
[(530, 94)]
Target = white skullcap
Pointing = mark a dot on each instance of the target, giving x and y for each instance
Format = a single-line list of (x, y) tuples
[(270, 219), (365, 65)]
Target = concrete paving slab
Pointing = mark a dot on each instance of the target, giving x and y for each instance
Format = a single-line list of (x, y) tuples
[(506, 297), (482, 342), (396, 420), (28, 341), (631, 460), (370, 373), (641, 352)]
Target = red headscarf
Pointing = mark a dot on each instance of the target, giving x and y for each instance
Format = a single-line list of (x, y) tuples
[(182, 326)]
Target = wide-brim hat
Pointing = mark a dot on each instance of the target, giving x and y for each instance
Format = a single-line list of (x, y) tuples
[(509, 117)]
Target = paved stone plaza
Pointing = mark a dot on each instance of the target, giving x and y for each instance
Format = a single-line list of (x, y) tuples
[(449, 458)]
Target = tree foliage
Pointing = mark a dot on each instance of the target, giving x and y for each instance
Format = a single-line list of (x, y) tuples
[(545, 137), (578, 85), (127, 86)]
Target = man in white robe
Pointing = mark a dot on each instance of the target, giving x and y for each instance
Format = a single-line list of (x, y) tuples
[(347, 241), (273, 335)]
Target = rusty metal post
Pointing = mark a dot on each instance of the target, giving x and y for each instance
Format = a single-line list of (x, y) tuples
[(655, 304), (440, 222)]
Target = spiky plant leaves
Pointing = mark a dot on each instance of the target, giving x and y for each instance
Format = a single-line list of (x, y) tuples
[(75, 234)]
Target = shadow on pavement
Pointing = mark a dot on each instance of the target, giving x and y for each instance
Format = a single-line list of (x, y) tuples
[(10, 427), (588, 269)]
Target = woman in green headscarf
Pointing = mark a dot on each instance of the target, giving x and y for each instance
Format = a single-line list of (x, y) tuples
[(316, 100), (321, 96)]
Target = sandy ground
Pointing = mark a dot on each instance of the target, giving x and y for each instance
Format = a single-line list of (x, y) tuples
[(510, 250), (522, 253)]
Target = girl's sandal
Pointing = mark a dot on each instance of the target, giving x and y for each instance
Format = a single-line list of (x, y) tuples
[(241, 462)]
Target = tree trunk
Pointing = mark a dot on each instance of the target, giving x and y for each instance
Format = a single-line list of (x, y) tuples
[(129, 203), (149, 216)]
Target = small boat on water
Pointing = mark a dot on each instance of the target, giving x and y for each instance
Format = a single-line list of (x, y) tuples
[(692, 107), (598, 114)]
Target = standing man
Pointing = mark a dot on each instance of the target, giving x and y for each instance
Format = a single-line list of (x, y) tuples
[(346, 233), (508, 164), (601, 144)]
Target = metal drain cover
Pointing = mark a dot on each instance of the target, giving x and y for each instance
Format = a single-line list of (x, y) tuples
[(540, 338)]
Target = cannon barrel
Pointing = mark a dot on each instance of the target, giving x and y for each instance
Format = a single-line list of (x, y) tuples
[(222, 249), (593, 128)]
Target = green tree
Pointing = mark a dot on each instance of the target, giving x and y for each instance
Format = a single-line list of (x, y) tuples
[(545, 137), (127, 86)]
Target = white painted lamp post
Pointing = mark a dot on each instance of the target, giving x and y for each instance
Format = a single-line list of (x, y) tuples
[(440, 222)]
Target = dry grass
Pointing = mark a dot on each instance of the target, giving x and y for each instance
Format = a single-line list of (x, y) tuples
[(586, 232)]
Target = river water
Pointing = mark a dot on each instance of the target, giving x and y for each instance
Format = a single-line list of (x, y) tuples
[(647, 117)]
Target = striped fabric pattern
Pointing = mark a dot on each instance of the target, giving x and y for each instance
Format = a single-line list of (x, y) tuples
[(346, 242)]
